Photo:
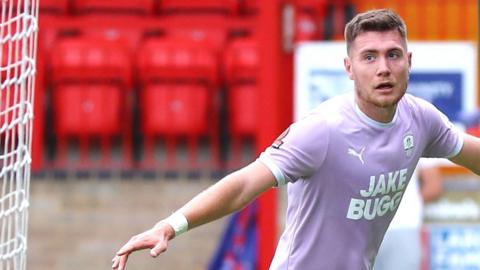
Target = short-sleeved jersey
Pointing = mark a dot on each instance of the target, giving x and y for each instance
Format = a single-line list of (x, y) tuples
[(346, 175)]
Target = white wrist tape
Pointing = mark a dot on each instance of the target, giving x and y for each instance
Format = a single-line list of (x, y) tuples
[(178, 222)]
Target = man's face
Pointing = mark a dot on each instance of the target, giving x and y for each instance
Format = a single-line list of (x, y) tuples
[(378, 63)]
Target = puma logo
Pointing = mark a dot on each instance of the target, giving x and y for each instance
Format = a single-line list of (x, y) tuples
[(359, 155)]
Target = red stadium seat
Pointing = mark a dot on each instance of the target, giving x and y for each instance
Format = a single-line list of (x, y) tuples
[(87, 59), (89, 80), (168, 59), (45, 6), (52, 27), (178, 116), (242, 64), (126, 30), (89, 113), (119, 6), (225, 6), (241, 61), (210, 28), (249, 6), (175, 110), (309, 19), (54, 6), (243, 110), (57, 6), (207, 36), (242, 123), (87, 110)]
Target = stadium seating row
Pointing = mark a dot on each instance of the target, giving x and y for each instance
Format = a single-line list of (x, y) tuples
[(173, 60), (176, 81), (146, 6)]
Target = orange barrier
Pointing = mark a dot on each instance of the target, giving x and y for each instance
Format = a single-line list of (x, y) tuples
[(432, 19)]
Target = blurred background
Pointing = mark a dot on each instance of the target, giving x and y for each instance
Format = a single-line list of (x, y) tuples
[(140, 105)]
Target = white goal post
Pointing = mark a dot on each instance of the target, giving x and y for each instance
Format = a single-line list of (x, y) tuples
[(18, 39)]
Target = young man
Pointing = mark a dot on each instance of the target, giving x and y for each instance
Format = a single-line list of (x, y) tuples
[(346, 164)]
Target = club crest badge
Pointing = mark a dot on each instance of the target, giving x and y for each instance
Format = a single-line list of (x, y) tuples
[(408, 144), (279, 141)]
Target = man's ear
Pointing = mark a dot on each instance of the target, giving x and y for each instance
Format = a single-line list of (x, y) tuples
[(348, 67), (409, 61)]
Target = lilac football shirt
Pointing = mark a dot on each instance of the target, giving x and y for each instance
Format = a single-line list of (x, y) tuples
[(346, 175)]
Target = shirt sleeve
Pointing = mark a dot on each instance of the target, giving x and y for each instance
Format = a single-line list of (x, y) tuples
[(445, 140), (298, 152)]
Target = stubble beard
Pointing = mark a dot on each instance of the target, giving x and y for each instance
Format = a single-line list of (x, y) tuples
[(380, 101)]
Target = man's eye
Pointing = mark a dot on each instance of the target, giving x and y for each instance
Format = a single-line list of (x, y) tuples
[(369, 57), (393, 55)]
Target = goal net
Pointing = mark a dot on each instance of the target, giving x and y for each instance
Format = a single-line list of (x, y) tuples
[(18, 37)]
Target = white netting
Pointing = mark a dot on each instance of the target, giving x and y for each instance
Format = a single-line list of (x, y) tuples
[(18, 38)]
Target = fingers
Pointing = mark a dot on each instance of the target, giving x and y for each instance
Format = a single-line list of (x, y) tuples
[(156, 240), (119, 262), (127, 248), (123, 262), (137, 242), (158, 248), (115, 262)]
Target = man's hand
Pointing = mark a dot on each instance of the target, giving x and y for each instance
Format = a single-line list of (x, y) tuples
[(228, 195), (155, 239)]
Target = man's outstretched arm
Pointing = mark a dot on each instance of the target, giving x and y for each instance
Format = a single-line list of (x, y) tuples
[(469, 156), (230, 194)]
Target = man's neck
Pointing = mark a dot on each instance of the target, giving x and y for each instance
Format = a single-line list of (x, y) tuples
[(377, 113)]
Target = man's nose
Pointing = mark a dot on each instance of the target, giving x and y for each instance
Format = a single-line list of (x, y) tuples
[(383, 68)]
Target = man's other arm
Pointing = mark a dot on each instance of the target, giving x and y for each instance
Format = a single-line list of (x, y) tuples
[(469, 156), (230, 194)]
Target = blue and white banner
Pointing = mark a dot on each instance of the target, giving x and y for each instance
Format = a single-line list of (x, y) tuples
[(444, 89), (454, 247), (443, 73)]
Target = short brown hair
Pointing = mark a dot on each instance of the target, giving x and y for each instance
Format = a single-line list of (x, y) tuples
[(374, 20)]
